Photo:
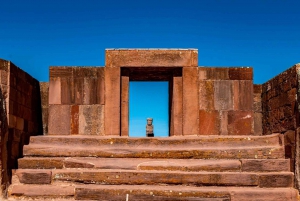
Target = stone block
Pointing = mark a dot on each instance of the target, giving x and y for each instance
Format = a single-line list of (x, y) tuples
[(44, 91), (59, 119), (12, 121), (190, 101), (91, 120), (60, 72), (263, 165), (258, 123), (213, 73), (243, 95), (34, 176), (67, 91), (223, 95), (78, 90), (240, 122), (75, 119), (112, 101), (223, 122), (124, 105), (20, 124), (101, 86), (240, 73), (269, 180), (146, 58), (209, 122), (206, 95), (176, 113), (91, 91), (4, 77), (55, 91)]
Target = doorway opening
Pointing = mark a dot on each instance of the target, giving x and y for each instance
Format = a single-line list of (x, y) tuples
[(149, 99)]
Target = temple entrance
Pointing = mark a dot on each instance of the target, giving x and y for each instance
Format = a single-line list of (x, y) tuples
[(148, 99), (158, 87)]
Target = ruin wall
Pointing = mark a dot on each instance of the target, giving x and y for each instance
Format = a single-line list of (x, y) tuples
[(20, 115), (226, 101), (76, 101)]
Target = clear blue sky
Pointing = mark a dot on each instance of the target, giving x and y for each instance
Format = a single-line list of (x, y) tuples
[(263, 34)]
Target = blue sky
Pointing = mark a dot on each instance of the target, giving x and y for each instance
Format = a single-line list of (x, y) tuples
[(263, 34)]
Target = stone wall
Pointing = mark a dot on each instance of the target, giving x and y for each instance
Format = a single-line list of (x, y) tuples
[(279, 102), (76, 101), (20, 115), (44, 90), (280, 109), (226, 101), (257, 109)]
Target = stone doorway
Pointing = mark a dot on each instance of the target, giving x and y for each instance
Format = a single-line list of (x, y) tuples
[(149, 99), (157, 74), (177, 66)]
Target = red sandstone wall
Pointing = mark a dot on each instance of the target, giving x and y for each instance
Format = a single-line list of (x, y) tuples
[(279, 102), (44, 90), (226, 101), (20, 115), (280, 108), (257, 109), (76, 101)]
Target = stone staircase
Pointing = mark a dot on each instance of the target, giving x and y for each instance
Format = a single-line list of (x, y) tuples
[(202, 168)]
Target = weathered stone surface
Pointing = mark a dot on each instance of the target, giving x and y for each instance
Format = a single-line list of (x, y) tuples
[(206, 95), (249, 165), (211, 73), (55, 91), (279, 102), (154, 177), (223, 95), (223, 122), (34, 176), (67, 90), (112, 101), (148, 192), (42, 191), (240, 122), (155, 152), (240, 73), (59, 119), (40, 163), (258, 130), (243, 95), (91, 119), (262, 194), (176, 111), (75, 119), (125, 105), (283, 179), (159, 58), (153, 143), (190, 101), (209, 122)]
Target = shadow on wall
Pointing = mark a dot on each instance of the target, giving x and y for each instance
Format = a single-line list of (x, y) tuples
[(21, 117), (5, 175)]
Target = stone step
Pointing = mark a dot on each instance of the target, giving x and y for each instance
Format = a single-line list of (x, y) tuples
[(49, 150), (150, 192), (143, 177), (157, 142), (245, 165)]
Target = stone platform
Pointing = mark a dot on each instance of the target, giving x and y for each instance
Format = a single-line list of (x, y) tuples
[(176, 168)]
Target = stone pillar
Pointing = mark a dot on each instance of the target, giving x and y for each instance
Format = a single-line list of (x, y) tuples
[(112, 101), (176, 105), (190, 101), (124, 102)]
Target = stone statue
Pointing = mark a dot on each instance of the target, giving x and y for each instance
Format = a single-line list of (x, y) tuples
[(149, 128)]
